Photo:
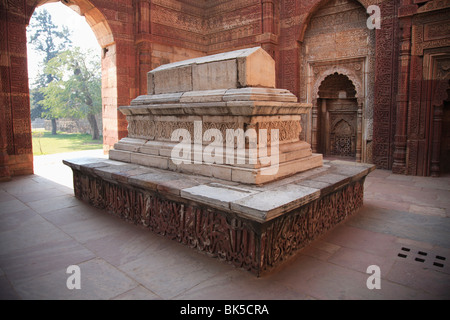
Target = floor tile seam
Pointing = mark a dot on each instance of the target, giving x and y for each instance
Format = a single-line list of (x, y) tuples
[(407, 225), (62, 230), (58, 227), (176, 297), (12, 195), (347, 224), (408, 208), (35, 211), (27, 208), (292, 288), (71, 196), (11, 285), (382, 278), (339, 265), (28, 178), (62, 194), (24, 203), (128, 275), (406, 286), (384, 257), (439, 272), (405, 222), (96, 254), (33, 278), (363, 274), (233, 269), (138, 284), (71, 237), (344, 266), (125, 274), (201, 282)]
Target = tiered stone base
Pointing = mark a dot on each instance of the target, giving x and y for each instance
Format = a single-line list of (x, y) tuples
[(229, 229)]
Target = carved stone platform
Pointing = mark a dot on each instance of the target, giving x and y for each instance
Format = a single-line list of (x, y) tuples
[(252, 227), (257, 196)]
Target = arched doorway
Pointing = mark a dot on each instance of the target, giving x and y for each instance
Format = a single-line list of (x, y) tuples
[(101, 28), (16, 157), (338, 123)]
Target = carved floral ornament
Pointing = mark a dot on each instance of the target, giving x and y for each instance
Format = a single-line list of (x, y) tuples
[(162, 130)]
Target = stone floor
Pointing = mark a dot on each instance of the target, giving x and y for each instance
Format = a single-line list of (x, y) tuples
[(44, 229)]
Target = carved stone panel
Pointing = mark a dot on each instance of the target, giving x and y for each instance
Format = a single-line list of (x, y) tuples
[(244, 243), (337, 40)]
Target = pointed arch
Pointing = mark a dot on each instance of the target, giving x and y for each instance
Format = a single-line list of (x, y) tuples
[(113, 121), (94, 17)]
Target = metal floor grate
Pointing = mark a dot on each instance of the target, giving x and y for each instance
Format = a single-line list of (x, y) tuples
[(427, 259)]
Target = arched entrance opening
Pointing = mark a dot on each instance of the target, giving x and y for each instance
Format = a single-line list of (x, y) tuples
[(64, 78), (337, 125), (16, 156), (100, 27)]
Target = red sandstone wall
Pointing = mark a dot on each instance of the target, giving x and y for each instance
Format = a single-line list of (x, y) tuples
[(15, 144)]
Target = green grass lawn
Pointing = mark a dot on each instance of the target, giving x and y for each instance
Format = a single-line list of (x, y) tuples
[(46, 143)]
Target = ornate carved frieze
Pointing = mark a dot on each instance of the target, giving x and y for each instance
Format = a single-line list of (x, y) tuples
[(286, 235), (245, 244), (429, 36), (287, 130), (142, 128)]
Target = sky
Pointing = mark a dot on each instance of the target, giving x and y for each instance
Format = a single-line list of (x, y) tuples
[(82, 34)]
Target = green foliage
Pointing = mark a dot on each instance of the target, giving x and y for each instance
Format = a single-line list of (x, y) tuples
[(37, 109), (75, 91), (70, 84), (48, 40)]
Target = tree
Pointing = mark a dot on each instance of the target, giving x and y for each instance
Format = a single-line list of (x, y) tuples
[(49, 40), (76, 87)]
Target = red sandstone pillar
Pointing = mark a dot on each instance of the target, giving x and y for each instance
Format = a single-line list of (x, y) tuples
[(116, 91), (268, 16), (4, 159), (268, 39), (143, 44), (400, 141), (5, 175), (16, 156)]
